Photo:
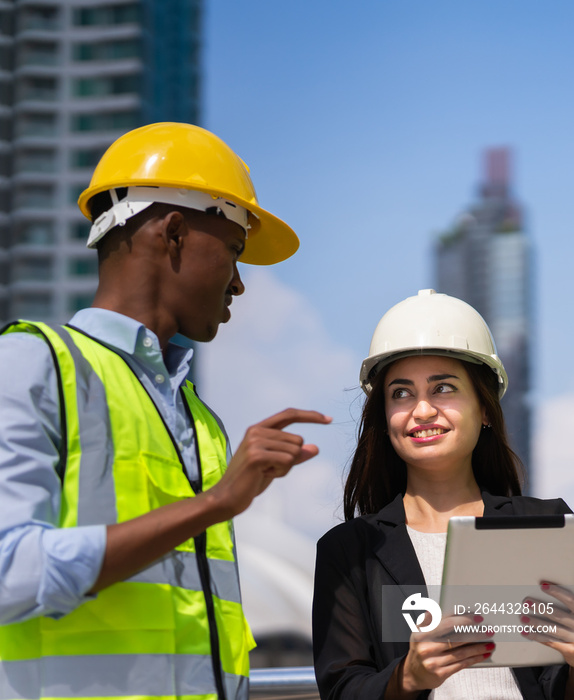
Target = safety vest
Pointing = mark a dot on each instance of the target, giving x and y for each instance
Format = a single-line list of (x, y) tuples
[(174, 630)]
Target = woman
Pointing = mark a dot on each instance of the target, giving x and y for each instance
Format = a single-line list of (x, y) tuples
[(432, 446)]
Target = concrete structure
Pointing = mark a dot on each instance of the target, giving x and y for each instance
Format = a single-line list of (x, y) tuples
[(485, 260), (74, 75)]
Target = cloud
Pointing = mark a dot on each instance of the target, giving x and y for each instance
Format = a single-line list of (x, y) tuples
[(553, 450), (275, 353)]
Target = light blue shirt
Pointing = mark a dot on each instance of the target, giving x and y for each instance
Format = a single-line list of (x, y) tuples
[(44, 569)]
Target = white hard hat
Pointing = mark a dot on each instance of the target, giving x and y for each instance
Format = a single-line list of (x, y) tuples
[(432, 324)]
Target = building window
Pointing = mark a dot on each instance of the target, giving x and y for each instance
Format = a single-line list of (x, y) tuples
[(37, 53), (108, 14), (36, 161), (35, 197), (107, 51), (7, 24), (86, 157), (6, 92), (5, 165), (80, 230), (5, 200), (5, 237), (7, 56), (105, 121), (32, 270), (43, 89), (36, 306), (74, 192), (6, 129), (36, 125), (83, 267), (38, 17), (79, 301), (35, 233), (111, 85)]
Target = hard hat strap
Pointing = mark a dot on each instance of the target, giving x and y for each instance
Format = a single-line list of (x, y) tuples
[(139, 198)]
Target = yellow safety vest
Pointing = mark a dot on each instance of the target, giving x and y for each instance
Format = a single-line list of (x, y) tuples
[(176, 629)]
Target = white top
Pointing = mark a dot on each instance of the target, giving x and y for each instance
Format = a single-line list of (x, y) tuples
[(471, 683)]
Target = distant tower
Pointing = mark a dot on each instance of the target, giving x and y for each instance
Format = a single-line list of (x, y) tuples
[(75, 75), (485, 260)]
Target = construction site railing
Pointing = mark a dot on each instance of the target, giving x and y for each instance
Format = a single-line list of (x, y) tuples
[(283, 683)]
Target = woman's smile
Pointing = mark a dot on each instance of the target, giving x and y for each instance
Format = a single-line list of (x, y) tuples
[(422, 434)]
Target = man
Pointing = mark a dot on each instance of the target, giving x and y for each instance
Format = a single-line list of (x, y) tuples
[(118, 573)]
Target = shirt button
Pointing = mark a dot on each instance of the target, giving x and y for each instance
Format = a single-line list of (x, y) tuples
[(148, 342), (159, 378)]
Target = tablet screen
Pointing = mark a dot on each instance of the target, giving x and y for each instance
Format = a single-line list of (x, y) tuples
[(492, 564)]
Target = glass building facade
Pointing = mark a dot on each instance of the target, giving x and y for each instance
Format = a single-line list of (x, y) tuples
[(75, 75), (485, 259)]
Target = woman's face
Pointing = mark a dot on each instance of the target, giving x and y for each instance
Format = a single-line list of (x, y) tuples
[(434, 417)]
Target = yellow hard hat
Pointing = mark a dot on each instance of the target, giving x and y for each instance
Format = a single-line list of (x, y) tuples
[(184, 158)]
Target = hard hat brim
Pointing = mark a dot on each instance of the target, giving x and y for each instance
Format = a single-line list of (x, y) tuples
[(270, 240), (379, 362)]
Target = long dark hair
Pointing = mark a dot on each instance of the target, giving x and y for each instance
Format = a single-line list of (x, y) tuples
[(378, 474)]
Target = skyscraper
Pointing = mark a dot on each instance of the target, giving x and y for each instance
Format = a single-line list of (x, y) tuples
[(74, 75), (485, 260)]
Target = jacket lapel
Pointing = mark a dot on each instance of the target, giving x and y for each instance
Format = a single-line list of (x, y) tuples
[(497, 505), (393, 547)]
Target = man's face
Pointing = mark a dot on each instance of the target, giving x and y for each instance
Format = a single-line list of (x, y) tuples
[(206, 275)]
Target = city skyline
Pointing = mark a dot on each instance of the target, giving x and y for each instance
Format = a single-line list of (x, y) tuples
[(73, 77), (485, 259)]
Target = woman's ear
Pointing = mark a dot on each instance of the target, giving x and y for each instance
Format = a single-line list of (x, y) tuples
[(485, 419)]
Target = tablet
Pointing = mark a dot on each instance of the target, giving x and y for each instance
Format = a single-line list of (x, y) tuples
[(492, 564)]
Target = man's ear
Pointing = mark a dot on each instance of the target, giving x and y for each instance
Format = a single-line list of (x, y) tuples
[(173, 231)]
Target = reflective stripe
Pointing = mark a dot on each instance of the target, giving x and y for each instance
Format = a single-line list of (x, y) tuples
[(96, 497), (236, 687), (114, 675), (180, 569), (225, 580), (19, 679), (191, 387)]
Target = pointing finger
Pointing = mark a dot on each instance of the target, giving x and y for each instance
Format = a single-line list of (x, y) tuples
[(294, 415)]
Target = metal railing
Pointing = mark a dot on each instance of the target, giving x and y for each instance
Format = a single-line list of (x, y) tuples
[(283, 683)]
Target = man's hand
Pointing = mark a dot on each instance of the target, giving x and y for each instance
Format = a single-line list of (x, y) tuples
[(265, 453)]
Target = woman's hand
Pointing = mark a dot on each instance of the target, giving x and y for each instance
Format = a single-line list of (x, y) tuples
[(562, 617), (435, 656)]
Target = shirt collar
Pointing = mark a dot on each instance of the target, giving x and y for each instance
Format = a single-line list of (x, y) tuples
[(123, 332), (117, 330)]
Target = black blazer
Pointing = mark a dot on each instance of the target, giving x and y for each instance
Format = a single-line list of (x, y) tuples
[(354, 560)]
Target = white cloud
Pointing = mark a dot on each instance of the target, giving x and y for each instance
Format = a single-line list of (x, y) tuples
[(553, 449), (273, 354)]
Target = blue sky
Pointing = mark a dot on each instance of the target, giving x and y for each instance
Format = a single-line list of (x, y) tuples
[(364, 125)]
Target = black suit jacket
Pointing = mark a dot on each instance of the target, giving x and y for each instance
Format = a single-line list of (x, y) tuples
[(354, 560)]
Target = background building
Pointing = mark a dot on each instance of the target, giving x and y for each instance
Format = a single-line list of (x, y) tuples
[(485, 260), (74, 75)]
